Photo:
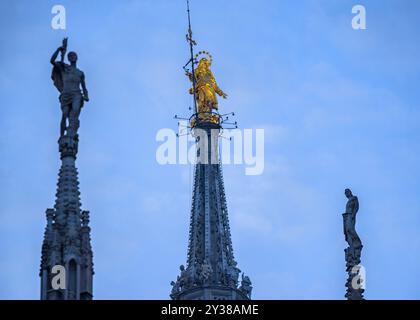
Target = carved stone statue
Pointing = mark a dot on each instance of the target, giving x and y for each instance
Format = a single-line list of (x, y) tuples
[(355, 281), (233, 275), (183, 278), (352, 207), (175, 289), (246, 286), (68, 79), (206, 88), (206, 271)]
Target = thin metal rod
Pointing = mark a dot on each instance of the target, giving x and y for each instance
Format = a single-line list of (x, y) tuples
[(190, 40)]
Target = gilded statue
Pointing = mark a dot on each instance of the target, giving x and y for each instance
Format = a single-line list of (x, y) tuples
[(206, 89)]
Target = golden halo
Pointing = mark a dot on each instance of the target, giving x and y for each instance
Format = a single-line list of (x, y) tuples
[(203, 53)]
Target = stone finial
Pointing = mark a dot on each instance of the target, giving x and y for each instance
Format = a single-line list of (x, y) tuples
[(50, 215), (68, 146), (85, 218)]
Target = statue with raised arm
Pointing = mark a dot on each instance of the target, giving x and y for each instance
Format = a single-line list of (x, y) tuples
[(70, 82), (206, 88)]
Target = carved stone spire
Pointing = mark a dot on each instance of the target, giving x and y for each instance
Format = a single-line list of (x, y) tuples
[(211, 271), (67, 234)]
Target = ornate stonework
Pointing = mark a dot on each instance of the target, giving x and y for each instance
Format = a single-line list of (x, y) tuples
[(211, 272), (67, 234)]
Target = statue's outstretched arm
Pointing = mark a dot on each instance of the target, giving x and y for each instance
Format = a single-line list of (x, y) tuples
[(85, 92), (218, 90), (189, 75), (216, 87), (55, 54)]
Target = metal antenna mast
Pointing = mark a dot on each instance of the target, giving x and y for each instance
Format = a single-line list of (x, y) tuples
[(192, 43)]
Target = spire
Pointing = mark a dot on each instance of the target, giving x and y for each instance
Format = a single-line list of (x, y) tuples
[(66, 243), (67, 234), (211, 272)]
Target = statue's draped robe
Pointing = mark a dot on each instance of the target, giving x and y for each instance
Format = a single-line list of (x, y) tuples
[(66, 98), (351, 235), (206, 93), (67, 80)]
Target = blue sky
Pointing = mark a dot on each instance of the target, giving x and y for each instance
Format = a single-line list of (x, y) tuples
[(340, 108)]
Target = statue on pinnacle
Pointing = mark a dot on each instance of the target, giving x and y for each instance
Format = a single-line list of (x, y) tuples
[(67, 234), (211, 272), (355, 282), (205, 87), (352, 207), (68, 80)]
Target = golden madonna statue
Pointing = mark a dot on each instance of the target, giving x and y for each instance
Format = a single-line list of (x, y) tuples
[(206, 89)]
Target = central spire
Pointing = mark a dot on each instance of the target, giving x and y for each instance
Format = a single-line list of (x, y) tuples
[(67, 234), (212, 272)]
